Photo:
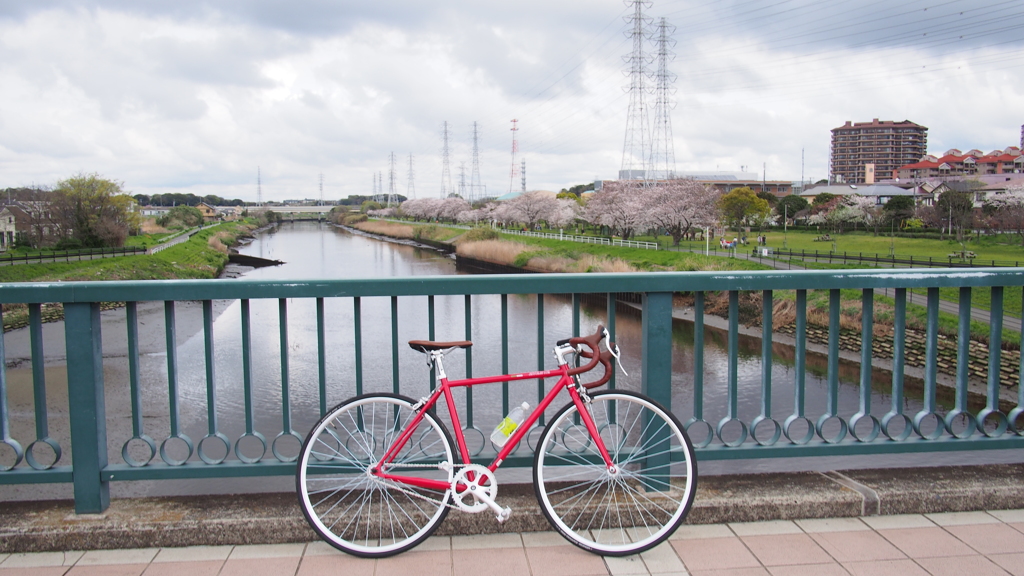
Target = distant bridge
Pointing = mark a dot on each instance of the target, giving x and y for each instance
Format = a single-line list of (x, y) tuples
[(299, 209)]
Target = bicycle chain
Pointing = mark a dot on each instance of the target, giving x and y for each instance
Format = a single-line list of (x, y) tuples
[(439, 466)]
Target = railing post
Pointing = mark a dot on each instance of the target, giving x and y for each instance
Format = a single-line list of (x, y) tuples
[(88, 416), (656, 380)]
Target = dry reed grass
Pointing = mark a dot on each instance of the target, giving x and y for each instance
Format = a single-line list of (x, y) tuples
[(497, 251), (216, 242), (385, 228), (149, 226)]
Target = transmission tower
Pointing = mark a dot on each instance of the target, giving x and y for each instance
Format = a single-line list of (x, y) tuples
[(636, 147), (410, 191), (515, 149), (663, 156), (391, 179), (321, 188), (523, 174), (476, 188), (446, 175), (462, 180)]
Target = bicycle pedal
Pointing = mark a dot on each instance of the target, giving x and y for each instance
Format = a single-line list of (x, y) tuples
[(503, 515)]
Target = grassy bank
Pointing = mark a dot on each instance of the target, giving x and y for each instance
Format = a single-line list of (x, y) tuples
[(202, 256), (432, 232)]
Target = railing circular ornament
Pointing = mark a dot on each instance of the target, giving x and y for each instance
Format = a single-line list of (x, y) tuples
[(18, 454), (918, 423), (251, 459), (950, 420), (130, 460), (218, 437), (30, 456), (740, 439), (277, 451), (787, 429), (1002, 423), (709, 431), (840, 434), (167, 444), (908, 426), (876, 427), (775, 434), (575, 438), (479, 444), (1015, 415)]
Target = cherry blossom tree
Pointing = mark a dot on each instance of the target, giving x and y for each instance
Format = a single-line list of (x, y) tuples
[(680, 205), (532, 207), (622, 206), (1007, 210)]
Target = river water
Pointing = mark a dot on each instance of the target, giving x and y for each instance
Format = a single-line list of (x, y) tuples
[(313, 250)]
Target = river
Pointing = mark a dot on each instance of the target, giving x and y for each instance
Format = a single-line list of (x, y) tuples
[(313, 250)]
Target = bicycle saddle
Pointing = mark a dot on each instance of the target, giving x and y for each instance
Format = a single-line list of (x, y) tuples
[(427, 345)]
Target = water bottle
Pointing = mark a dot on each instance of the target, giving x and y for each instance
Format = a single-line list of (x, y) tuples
[(506, 427)]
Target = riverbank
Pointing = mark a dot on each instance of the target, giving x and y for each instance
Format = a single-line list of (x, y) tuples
[(203, 256)]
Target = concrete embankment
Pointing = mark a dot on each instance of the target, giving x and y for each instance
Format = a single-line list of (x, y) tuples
[(276, 518)]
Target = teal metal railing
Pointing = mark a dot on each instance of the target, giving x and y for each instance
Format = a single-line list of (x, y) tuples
[(265, 447)]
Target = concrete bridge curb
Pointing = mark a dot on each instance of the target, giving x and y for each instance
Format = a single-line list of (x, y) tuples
[(275, 518)]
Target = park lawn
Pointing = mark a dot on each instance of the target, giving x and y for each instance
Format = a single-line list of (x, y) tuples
[(1005, 248), (652, 260)]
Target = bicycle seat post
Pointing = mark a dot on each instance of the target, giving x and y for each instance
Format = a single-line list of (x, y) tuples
[(435, 359)]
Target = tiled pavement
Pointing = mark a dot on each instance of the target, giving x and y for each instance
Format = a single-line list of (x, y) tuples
[(976, 543)]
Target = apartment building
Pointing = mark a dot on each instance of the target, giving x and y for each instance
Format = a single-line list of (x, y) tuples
[(862, 149)]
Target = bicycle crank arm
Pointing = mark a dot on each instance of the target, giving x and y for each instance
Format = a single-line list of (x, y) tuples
[(500, 513)]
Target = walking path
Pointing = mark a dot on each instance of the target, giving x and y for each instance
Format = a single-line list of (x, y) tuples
[(955, 543)]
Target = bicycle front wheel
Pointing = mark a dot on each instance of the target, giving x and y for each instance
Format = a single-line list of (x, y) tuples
[(629, 509), (357, 512)]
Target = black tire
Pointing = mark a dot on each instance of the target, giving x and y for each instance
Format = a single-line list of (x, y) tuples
[(637, 506), (354, 511)]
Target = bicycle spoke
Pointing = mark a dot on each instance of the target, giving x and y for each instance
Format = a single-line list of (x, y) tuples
[(617, 511)]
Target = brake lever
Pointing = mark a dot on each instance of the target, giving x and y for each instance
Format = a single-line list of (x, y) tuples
[(615, 353)]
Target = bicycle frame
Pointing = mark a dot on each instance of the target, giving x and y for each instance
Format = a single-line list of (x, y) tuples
[(565, 381)]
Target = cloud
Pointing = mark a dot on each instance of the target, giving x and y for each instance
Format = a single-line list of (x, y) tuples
[(193, 95)]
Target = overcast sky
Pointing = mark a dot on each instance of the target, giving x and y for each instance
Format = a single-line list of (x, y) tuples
[(192, 96)]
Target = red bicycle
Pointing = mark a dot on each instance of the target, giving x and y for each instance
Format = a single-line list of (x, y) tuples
[(614, 471)]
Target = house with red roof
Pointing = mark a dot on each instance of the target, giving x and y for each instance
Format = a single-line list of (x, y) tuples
[(956, 164)]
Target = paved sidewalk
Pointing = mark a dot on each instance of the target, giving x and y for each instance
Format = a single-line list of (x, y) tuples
[(956, 543)]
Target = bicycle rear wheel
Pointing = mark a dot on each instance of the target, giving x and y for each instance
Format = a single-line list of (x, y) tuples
[(631, 509), (359, 513)]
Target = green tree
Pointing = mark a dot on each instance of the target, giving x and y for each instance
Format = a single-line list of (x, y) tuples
[(94, 211), (790, 206), (957, 209), (768, 197), (823, 199), (181, 217), (564, 194), (898, 209), (742, 206)]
